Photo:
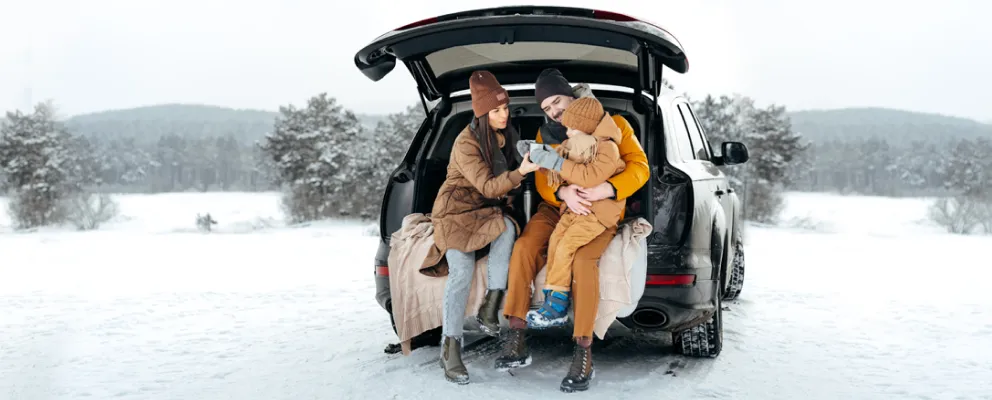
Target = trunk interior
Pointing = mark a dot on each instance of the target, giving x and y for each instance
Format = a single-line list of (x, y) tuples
[(527, 117)]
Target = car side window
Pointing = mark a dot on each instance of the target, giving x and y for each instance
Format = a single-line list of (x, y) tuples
[(681, 136), (699, 145)]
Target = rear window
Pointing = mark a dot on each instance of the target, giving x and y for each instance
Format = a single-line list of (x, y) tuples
[(488, 55)]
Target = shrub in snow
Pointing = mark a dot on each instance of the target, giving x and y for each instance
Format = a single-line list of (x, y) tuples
[(371, 230), (36, 207), (957, 214), (87, 210), (984, 211), (763, 202)]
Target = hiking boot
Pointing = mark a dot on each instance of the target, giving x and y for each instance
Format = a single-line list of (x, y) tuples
[(553, 312), (580, 373), (451, 361), (514, 353), (488, 316)]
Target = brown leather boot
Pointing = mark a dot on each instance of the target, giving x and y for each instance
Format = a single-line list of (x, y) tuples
[(488, 316), (580, 373), (514, 353), (451, 361)]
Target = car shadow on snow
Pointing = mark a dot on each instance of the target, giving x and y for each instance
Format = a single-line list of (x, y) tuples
[(621, 361)]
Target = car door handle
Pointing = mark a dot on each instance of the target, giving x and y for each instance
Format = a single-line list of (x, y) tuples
[(719, 193), (730, 190)]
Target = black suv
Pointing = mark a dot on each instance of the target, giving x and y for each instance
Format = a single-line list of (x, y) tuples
[(695, 253)]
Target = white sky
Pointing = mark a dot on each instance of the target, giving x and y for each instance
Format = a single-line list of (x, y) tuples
[(92, 55)]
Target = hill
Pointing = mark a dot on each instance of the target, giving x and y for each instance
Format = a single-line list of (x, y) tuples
[(150, 123), (883, 123), (187, 120)]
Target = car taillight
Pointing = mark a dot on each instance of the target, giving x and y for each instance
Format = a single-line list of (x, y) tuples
[(670, 280), (613, 16), (381, 270), (618, 17), (420, 23)]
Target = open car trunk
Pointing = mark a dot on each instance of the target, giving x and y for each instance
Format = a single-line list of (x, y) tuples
[(516, 43)]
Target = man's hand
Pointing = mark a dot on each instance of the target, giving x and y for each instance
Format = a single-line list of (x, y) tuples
[(569, 194), (599, 192)]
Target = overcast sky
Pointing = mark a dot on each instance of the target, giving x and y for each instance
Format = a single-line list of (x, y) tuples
[(92, 55)]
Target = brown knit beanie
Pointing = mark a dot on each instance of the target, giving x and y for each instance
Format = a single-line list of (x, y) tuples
[(583, 114), (487, 93)]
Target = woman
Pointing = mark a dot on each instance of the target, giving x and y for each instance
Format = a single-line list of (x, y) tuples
[(470, 212)]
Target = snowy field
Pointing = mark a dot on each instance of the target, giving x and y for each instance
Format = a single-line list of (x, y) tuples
[(854, 298)]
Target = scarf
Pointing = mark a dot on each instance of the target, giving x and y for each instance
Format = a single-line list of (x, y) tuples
[(493, 155), (553, 132)]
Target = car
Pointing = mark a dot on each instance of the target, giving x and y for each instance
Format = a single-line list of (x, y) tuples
[(695, 252)]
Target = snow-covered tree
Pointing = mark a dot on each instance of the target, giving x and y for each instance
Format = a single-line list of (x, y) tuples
[(312, 151), (967, 173), (41, 168), (775, 149), (377, 156), (968, 168)]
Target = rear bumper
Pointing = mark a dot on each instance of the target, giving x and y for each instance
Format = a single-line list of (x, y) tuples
[(672, 309)]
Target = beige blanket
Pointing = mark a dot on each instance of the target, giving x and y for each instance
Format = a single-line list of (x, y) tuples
[(614, 273), (417, 297)]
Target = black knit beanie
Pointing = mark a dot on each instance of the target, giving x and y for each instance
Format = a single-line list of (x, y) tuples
[(550, 83)]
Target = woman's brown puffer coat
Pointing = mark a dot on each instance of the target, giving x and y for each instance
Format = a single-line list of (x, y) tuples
[(467, 212)]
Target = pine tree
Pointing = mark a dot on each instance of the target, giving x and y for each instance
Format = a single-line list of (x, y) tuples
[(380, 155), (775, 149), (41, 166), (312, 151)]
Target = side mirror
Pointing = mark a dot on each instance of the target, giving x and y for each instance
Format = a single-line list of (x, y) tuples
[(733, 153)]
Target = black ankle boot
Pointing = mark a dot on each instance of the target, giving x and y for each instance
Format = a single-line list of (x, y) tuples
[(488, 315)]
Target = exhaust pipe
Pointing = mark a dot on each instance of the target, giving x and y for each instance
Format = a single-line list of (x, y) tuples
[(649, 318)]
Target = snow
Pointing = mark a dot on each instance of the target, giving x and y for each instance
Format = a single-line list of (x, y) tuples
[(851, 298)]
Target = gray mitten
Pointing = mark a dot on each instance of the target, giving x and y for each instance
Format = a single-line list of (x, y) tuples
[(523, 146), (547, 158)]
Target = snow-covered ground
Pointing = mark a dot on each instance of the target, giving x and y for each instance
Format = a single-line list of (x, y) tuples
[(855, 298)]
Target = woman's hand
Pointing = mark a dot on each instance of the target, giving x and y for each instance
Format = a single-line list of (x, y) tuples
[(526, 166)]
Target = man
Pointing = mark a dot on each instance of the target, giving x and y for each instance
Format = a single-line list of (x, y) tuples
[(554, 94)]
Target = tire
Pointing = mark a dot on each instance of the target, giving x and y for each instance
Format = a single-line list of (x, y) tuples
[(736, 272), (704, 340)]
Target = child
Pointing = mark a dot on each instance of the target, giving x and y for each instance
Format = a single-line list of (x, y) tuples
[(592, 148)]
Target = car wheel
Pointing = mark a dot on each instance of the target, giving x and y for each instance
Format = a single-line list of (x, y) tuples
[(736, 272), (703, 340)]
